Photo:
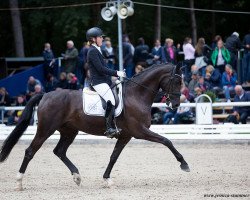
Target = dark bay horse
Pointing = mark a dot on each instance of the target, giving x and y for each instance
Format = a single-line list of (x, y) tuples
[(62, 110)]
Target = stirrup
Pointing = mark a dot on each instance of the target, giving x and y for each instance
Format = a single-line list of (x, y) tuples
[(111, 133)]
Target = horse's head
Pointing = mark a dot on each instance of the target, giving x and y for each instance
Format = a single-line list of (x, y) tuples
[(171, 85)]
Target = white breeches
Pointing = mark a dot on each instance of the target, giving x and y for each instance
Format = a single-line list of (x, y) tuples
[(105, 92)]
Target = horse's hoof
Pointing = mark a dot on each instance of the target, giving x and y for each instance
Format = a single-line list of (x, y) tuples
[(77, 178), (185, 167), (108, 182), (19, 189)]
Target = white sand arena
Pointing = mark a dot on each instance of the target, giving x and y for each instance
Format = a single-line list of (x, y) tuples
[(143, 171)]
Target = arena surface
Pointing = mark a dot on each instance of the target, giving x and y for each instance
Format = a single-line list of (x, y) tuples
[(143, 171)]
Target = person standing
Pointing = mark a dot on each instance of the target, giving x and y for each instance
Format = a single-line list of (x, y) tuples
[(189, 58), (127, 57), (49, 60), (202, 55), (233, 45), (169, 52), (157, 52), (82, 57), (70, 57), (246, 58), (100, 77)]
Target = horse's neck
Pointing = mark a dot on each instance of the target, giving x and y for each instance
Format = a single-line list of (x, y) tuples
[(148, 85)]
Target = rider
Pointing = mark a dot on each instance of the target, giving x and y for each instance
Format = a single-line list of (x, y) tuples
[(100, 76)]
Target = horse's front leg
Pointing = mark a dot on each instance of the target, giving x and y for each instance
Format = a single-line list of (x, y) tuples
[(149, 135), (120, 144)]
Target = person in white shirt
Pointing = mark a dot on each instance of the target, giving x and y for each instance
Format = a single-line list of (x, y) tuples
[(189, 58)]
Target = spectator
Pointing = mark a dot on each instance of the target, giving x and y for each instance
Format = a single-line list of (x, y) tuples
[(49, 60), (87, 79), (157, 52), (229, 80), (72, 81), (70, 57), (109, 54), (138, 69), (202, 55), (32, 82), (141, 51), (168, 115), (213, 77), (38, 89), (192, 84), (220, 56), (4, 97), (82, 56), (233, 45), (201, 86), (244, 111), (214, 43), (127, 58), (188, 51), (127, 40), (182, 111), (169, 52), (246, 58), (15, 115), (185, 91), (62, 83), (51, 83)]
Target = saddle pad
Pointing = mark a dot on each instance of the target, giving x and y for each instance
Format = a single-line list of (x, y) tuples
[(92, 104)]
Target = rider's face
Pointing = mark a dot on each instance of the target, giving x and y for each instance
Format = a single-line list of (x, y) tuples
[(99, 41)]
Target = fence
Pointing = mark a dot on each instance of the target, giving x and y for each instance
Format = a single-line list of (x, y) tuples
[(225, 131)]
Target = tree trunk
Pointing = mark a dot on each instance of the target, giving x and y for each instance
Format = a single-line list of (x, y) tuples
[(193, 21), (17, 28), (157, 23)]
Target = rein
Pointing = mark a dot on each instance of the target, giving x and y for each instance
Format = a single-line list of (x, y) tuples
[(156, 91), (166, 94)]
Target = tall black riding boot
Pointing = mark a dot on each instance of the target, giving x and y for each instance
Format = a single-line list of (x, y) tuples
[(109, 117)]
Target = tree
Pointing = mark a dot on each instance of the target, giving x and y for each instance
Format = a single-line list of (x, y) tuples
[(193, 21), (17, 28), (157, 27)]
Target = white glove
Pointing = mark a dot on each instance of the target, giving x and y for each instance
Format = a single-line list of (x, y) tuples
[(121, 74)]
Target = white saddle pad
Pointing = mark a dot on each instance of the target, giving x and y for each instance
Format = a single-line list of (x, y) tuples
[(92, 104)]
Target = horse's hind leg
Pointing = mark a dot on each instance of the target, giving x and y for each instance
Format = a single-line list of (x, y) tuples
[(120, 144), (67, 137), (154, 137), (35, 145)]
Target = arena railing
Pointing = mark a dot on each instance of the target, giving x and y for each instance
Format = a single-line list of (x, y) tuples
[(226, 131), (3, 109)]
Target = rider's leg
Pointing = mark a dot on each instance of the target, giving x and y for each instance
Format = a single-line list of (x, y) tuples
[(105, 92)]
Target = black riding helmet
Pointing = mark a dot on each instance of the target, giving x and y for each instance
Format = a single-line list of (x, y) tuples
[(93, 33)]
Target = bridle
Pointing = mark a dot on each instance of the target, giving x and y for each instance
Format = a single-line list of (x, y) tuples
[(166, 94)]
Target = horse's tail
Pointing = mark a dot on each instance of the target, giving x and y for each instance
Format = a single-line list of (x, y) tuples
[(22, 125)]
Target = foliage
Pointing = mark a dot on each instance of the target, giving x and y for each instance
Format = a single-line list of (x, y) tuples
[(59, 25), (211, 94)]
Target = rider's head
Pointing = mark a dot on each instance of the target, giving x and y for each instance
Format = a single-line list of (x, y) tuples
[(95, 36)]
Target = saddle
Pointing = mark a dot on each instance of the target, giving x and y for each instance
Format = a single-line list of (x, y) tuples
[(94, 105)]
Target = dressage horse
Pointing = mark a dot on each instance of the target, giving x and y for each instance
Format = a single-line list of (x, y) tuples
[(62, 110)]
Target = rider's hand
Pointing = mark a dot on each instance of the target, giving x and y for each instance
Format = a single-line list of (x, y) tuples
[(121, 74)]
